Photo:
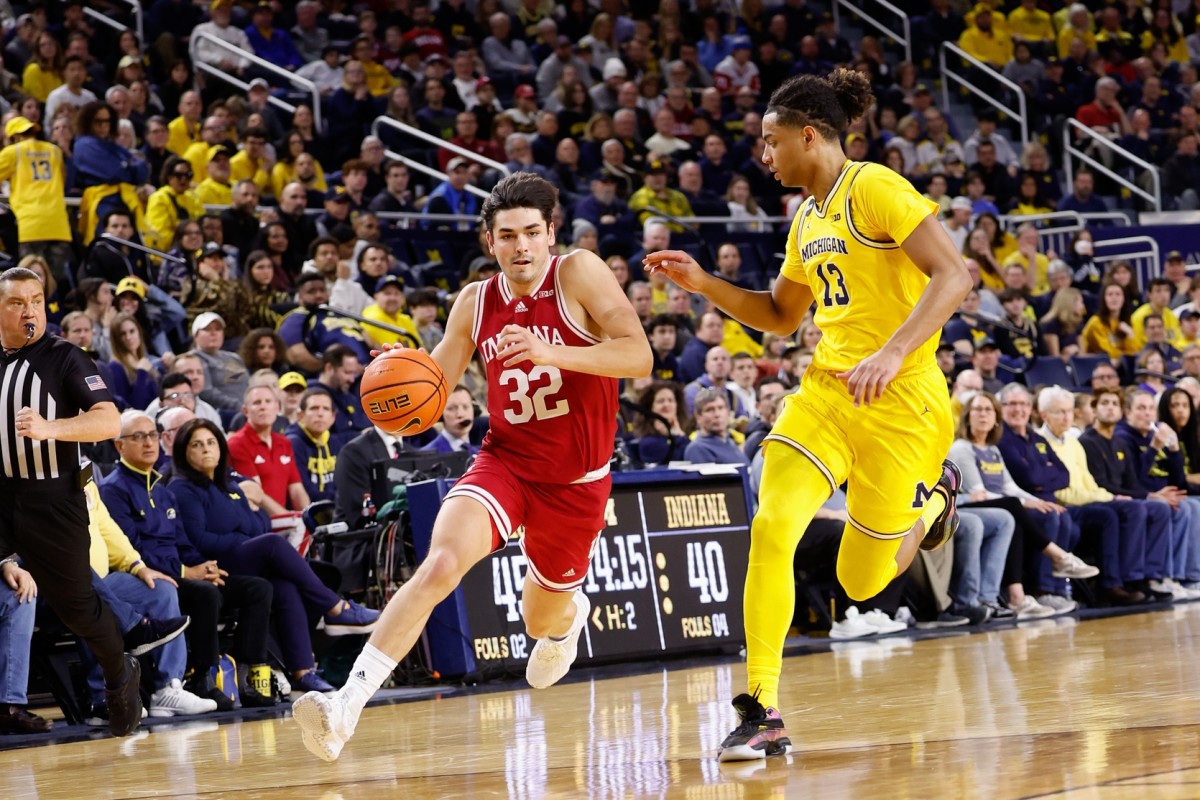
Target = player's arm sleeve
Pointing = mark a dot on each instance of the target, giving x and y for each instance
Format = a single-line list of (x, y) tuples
[(885, 207), (793, 265)]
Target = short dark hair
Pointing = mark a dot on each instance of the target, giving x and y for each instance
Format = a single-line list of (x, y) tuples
[(1011, 294), (179, 454), (355, 165), (170, 381), (362, 254), (422, 297), (313, 392), (520, 190), (69, 60), (1159, 282), (14, 274), (257, 132), (335, 354), (392, 164), (320, 240), (741, 355), (662, 321)]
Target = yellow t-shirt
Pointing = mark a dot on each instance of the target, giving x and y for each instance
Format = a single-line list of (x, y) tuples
[(34, 170), (282, 174), (1068, 34), (848, 251), (1041, 281), (241, 168), (1032, 26), (379, 80), (196, 155), (38, 83), (181, 136), (212, 193), (1097, 337), (399, 319), (1170, 323), (996, 48)]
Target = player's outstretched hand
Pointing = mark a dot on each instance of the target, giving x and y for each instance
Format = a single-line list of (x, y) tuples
[(871, 377), (518, 344), (682, 270)]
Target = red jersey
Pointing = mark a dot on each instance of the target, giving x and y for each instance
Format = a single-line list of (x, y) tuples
[(547, 425)]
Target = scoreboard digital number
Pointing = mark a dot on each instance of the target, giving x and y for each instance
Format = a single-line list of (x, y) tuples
[(666, 575)]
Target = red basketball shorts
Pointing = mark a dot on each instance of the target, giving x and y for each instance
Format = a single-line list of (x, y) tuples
[(562, 521)]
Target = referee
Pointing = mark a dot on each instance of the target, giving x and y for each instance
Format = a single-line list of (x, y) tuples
[(52, 398)]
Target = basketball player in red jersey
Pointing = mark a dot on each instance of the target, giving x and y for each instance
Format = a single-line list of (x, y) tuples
[(555, 333)]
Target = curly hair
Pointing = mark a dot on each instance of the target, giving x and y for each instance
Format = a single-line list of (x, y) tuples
[(828, 104)]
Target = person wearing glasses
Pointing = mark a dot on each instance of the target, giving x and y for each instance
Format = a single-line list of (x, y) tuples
[(177, 391), (111, 177), (175, 202)]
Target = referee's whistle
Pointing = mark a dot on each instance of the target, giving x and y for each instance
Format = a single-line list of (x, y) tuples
[(29, 330)]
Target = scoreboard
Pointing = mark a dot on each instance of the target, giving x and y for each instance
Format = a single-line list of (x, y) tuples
[(666, 576)]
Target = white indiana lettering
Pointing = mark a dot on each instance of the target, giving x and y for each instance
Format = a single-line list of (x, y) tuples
[(490, 346)]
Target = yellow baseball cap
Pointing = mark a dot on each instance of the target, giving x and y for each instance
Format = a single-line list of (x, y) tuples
[(289, 379), (18, 125), (133, 284)]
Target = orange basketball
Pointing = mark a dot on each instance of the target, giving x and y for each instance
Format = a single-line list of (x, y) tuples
[(404, 392)]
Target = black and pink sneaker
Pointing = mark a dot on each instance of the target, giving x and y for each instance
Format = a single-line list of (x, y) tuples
[(947, 522), (761, 732)]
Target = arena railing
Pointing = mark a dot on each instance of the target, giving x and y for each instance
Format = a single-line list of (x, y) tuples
[(1141, 252), (904, 40), (1056, 229), (1078, 139), (1020, 113), (236, 52), (120, 26), (425, 169), (109, 21)]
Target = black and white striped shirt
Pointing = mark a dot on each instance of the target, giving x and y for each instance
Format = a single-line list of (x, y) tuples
[(58, 380)]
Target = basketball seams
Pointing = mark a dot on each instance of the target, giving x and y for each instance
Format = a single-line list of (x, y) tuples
[(387, 377)]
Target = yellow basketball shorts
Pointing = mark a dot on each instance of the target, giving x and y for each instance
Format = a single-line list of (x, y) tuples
[(888, 453)]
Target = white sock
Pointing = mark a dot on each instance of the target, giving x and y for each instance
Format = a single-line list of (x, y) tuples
[(370, 670)]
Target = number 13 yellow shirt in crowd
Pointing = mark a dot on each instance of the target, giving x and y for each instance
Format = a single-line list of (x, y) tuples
[(34, 171)]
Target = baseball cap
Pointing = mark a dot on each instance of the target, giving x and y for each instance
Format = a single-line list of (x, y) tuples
[(308, 276), (1175, 255), (1053, 61), (455, 163), (338, 193), (206, 319), (524, 90), (656, 168), (961, 203), (437, 58), (562, 41), (257, 83), (128, 61), (215, 4), (986, 343), (290, 380), (855, 137), (614, 67), (604, 175), (389, 280), (133, 284), (944, 345), (484, 81), (921, 89), (220, 150), (212, 249), (740, 43), (19, 125)]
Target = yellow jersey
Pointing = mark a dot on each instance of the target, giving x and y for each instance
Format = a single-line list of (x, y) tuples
[(242, 167), (847, 250), (34, 171), (399, 319), (181, 136)]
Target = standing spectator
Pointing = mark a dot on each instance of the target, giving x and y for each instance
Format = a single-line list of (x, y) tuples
[(36, 175), (219, 26), (71, 94), (983, 40), (736, 70), (271, 43), (349, 111), (507, 57)]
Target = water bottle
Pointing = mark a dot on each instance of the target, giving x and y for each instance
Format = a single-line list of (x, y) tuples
[(368, 506)]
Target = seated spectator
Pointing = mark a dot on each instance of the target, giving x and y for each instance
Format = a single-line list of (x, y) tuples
[(742, 206), (353, 472), (212, 292), (44, 72), (713, 444), (308, 331), (662, 331), (1061, 325), (176, 390), (340, 371), (938, 149), (769, 405), (1158, 296), (174, 203), (144, 509), (457, 419), (998, 188), (1109, 329), (710, 331), (225, 376), (602, 206), (259, 453), (389, 308), (507, 57), (396, 198), (292, 386), (1081, 198), (452, 197), (1150, 372), (664, 144), (742, 373), (349, 110), (1029, 201), (134, 375), (220, 13), (423, 306), (18, 607), (219, 523), (1019, 348), (71, 95), (986, 132), (1181, 174), (655, 198), (263, 349), (978, 248), (659, 438)]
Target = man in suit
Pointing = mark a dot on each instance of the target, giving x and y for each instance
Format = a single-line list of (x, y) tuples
[(457, 419), (352, 473)]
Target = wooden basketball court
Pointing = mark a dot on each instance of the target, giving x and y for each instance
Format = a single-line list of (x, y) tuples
[(1100, 710)]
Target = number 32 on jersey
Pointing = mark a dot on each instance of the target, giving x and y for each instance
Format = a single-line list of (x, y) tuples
[(834, 284), (532, 395)]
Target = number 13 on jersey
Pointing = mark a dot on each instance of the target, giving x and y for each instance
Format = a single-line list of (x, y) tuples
[(835, 285)]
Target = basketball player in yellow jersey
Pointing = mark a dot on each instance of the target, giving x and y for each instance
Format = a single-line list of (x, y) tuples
[(872, 410), (34, 171)]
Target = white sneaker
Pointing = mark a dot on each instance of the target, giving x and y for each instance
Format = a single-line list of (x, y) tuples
[(1172, 587), (1032, 609), (172, 700), (854, 626), (882, 622), (551, 660), (1072, 566), (325, 726), (1060, 604)]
